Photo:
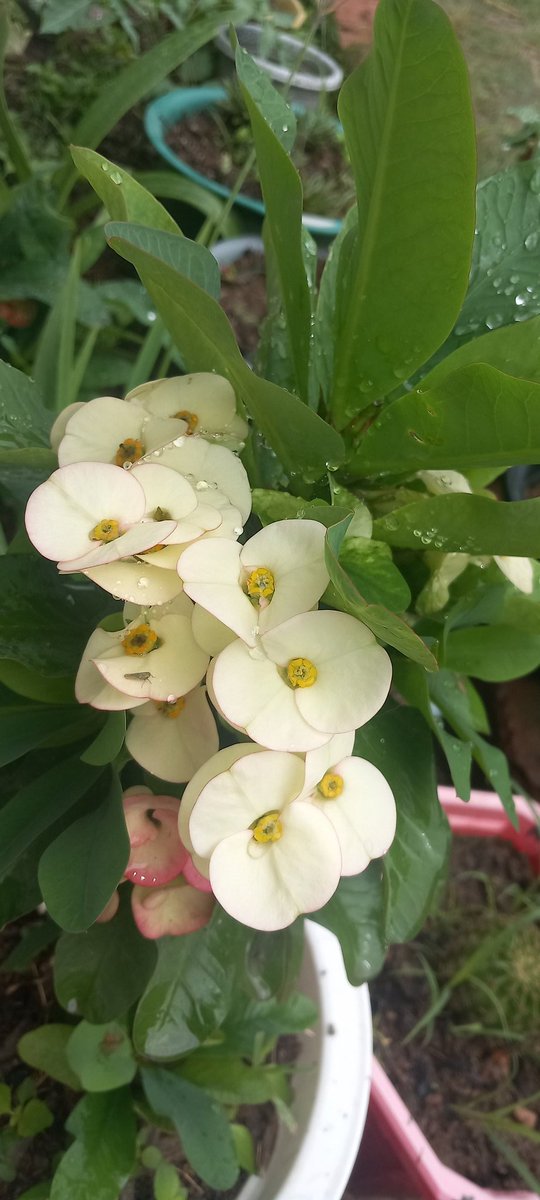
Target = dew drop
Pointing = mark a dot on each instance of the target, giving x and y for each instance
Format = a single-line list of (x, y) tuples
[(531, 241), (521, 299)]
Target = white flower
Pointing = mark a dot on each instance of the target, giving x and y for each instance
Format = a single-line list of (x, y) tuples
[(271, 855), (210, 469), (142, 583), (318, 674), (210, 633), (173, 739), (90, 686), (206, 402), (58, 428), (89, 514), (112, 431), (212, 767), (441, 482), (355, 797), (518, 570), (154, 659), (277, 574)]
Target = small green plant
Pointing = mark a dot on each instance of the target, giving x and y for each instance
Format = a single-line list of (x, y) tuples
[(22, 1116)]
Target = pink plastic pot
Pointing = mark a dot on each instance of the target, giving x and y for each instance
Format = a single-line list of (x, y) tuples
[(391, 1123)]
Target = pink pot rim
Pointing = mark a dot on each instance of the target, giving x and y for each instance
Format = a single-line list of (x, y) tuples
[(483, 816)]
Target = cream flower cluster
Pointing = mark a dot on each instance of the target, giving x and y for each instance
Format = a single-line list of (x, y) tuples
[(149, 502)]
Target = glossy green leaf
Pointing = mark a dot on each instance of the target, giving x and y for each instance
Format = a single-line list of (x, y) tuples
[(24, 420), (267, 1020), (172, 186), (454, 698), (101, 1159), (411, 682), (23, 470), (200, 1123), (231, 1080), (139, 79), (24, 682), (492, 652), (385, 624), (34, 939), (371, 567), (122, 196), (466, 524), (506, 260), (39, 804), (399, 744), (273, 961), (46, 618), (475, 417), (80, 870), (191, 990), (281, 506), (178, 253), (44, 1049), (514, 349), (101, 1056), (356, 915), (24, 728), (108, 742), (273, 126), (101, 973), (303, 442), (325, 315), (408, 265)]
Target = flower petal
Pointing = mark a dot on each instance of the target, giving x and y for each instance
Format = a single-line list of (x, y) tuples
[(174, 747), (172, 670), (95, 432), (518, 570), (250, 787), (90, 687), (318, 762), (62, 512), (268, 886), (211, 468), (172, 910), (134, 541), (210, 397), (210, 633), (157, 854), (294, 552), (212, 767), (363, 816), (140, 583)]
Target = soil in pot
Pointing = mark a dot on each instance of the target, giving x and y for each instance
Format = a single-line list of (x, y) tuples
[(471, 1076), (218, 141), (243, 298), (28, 1001)]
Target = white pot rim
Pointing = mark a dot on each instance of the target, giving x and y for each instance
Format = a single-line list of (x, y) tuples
[(327, 76), (331, 1086)]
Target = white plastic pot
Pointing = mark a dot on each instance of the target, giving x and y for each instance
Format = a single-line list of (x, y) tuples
[(331, 1085), (317, 73)]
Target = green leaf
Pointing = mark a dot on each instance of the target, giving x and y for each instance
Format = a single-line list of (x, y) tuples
[(274, 127), (23, 470), (492, 652), (179, 254), (412, 683), (172, 186), (167, 1184), (467, 524), (356, 915), (475, 417), (122, 196), (101, 1159), (80, 870), (370, 565), (244, 1148), (34, 939), (302, 441), (109, 741), (39, 804), (398, 743), (33, 686), (513, 349), (192, 988), (40, 1191), (5, 1099), (267, 1020), (200, 1123), (100, 974), (44, 1049), (24, 420), (231, 1080), (27, 726), (506, 257), (408, 263), (101, 1056), (384, 624), (274, 959), (281, 506), (34, 1118), (139, 79), (46, 618), (323, 349)]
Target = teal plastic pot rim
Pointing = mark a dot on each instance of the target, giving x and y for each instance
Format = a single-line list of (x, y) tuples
[(167, 110)]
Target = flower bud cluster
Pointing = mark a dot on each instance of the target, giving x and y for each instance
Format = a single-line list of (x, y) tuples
[(149, 501)]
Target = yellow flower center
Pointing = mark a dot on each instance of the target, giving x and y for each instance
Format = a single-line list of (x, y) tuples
[(190, 418), (260, 584), (171, 708), (301, 673), (140, 640), (268, 828), (330, 786), (129, 451), (105, 531)]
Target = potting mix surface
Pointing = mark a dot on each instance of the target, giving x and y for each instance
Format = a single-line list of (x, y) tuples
[(448, 1066)]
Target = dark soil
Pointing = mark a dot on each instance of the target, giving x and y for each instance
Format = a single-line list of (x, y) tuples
[(243, 297), (202, 142), (437, 1072), (28, 1001)]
